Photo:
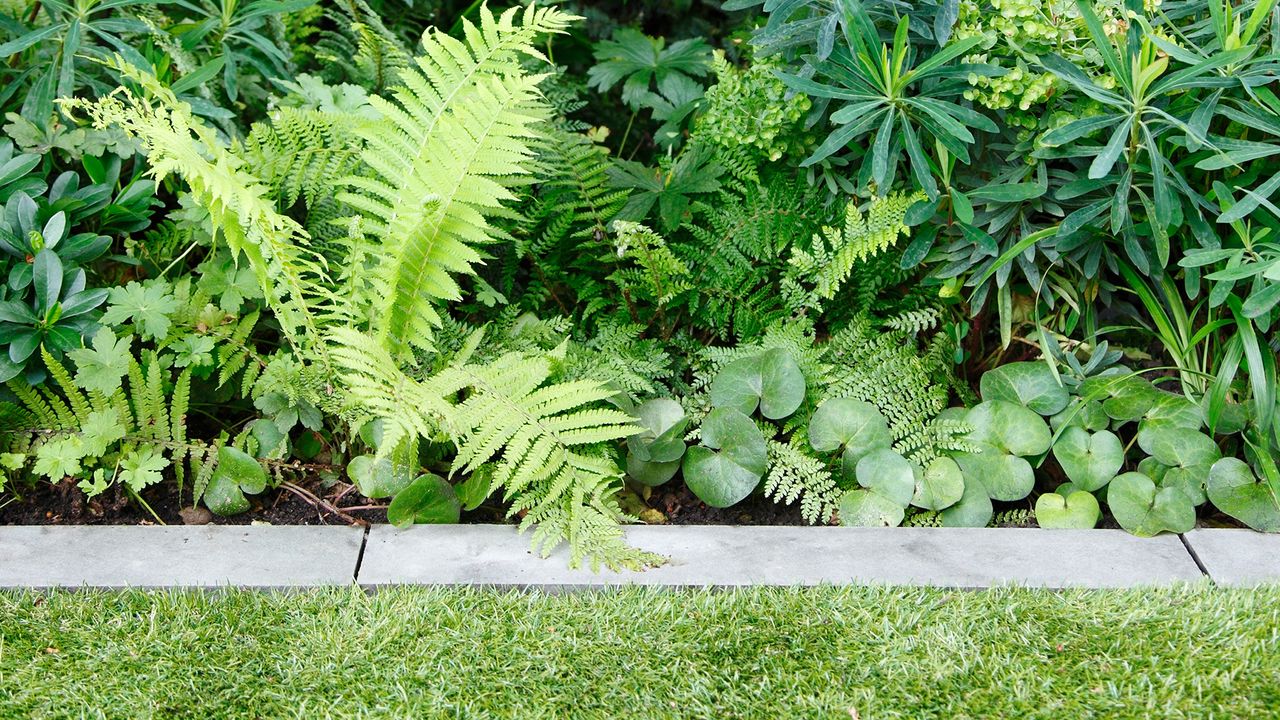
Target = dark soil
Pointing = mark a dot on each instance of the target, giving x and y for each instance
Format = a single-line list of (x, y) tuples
[(312, 503), (681, 507)]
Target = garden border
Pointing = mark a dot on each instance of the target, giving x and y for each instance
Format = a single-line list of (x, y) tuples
[(283, 557)]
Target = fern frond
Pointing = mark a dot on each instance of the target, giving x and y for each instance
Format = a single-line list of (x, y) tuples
[(836, 251), (303, 153), (795, 473), (178, 143), (443, 161)]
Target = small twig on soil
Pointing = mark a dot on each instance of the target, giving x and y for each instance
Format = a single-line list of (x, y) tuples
[(353, 508), (318, 502)]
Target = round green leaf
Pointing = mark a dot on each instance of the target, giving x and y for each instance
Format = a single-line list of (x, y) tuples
[(662, 439), (1089, 460), (1005, 477), (888, 473), (732, 462), (1088, 415), (738, 385), (428, 500), (1079, 510), (1011, 428), (1031, 384), (379, 477), (1130, 398), (237, 473), (770, 381), (1144, 510), (652, 474), (1173, 411), (1187, 453), (939, 485), (862, 507), (1235, 490), (782, 384), (854, 425), (973, 510)]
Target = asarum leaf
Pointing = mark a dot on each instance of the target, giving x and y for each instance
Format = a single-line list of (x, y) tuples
[(1187, 454), (1031, 384), (1078, 510), (770, 381), (428, 500), (1005, 477), (939, 485), (731, 460), (1234, 490), (379, 477), (1145, 510), (856, 426), (654, 453), (1009, 427), (237, 473), (1090, 460), (973, 510)]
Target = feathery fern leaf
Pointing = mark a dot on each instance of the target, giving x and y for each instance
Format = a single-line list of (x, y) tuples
[(443, 160)]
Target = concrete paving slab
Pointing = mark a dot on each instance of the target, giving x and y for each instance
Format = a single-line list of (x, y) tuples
[(495, 555), (254, 556), (1237, 557)]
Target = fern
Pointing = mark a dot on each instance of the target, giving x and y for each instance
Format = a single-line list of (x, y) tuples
[(303, 153), (441, 161), (540, 440), (795, 473), (887, 370), (69, 426), (837, 251), (179, 143)]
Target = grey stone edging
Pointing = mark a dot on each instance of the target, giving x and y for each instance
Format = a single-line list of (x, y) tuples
[(116, 556), (1236, 557), (734, 556), (266, 557)]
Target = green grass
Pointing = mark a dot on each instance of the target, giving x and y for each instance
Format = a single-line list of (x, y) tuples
[(1195, 651)]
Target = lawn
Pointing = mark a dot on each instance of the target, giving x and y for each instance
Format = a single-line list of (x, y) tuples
[(1192, 651)]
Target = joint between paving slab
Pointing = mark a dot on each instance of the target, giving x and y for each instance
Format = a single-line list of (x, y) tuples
[(1181, 536), (364, 543)]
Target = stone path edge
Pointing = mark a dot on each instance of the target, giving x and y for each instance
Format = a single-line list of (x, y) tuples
[(285, 557)]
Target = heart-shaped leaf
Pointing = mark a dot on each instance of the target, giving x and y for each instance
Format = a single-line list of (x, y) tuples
[(1187, 453), (386, 476), (939, 485), (854, 425), (1008, 427), (653, 454), (1031, 384), (1130, 397), (770, 381), (1087, 415), (1173, 411), (1235, 490), (1089, 460), (237, 473), (1079, 510), (731, 460), (1005, 477), (1145, 510), (973, 510), (428, 500), (861, 507), (889, 474)]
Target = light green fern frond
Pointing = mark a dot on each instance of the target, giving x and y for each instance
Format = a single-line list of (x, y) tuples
[(443, 160), (178, 143), (303, 153), (541, 442), (836, 251), (795, 473)]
